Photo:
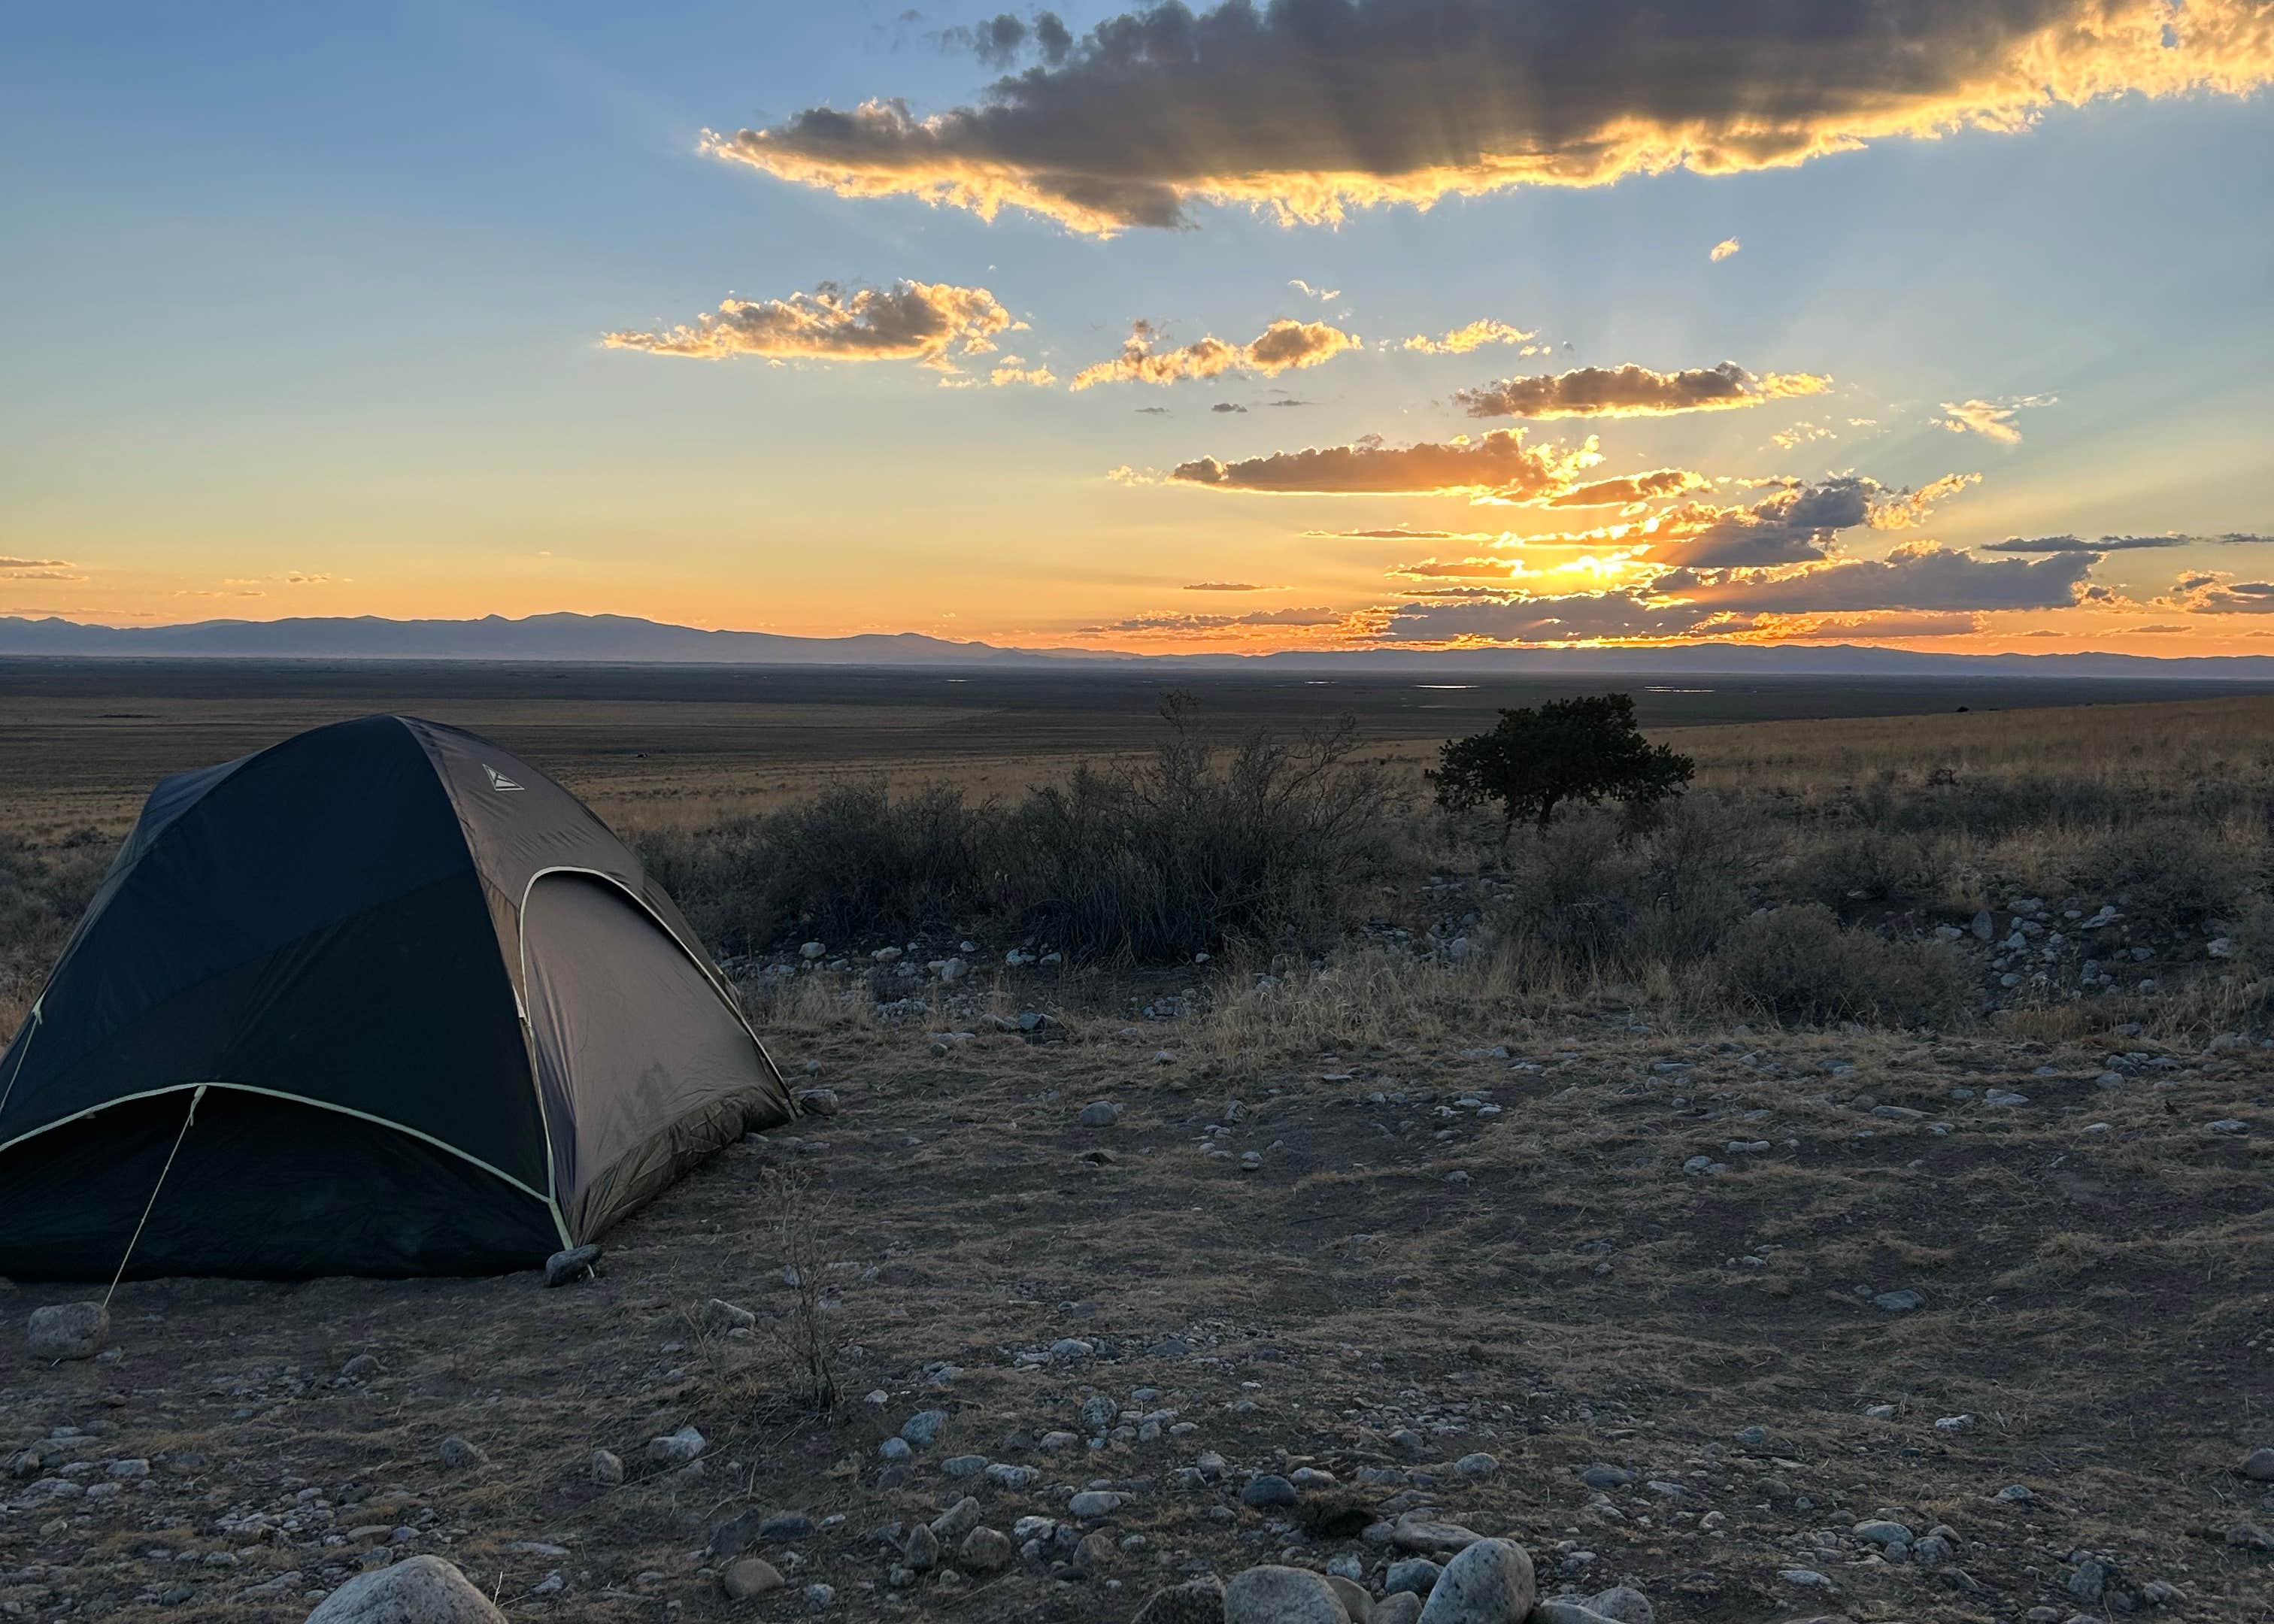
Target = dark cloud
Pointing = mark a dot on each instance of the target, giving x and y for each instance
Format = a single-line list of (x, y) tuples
[(1498, 465), (1228, 406), (1152, 411), (2119, 544), (1306, 109), (1931, 588), (1794, 524), (2211, 591), (1627, 489), (1632, 391)]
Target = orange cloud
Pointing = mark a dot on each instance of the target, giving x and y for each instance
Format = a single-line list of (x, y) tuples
[(1723, 249), (1305, 114), (1476, 335), (1499, 466), (1991, 419), (919, 321), (1285, 346), (1633, 391)]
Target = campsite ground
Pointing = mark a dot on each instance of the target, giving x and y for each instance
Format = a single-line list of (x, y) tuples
[(1475, 1224)]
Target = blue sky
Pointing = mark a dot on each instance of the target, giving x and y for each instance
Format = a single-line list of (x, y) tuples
[(320, 291)]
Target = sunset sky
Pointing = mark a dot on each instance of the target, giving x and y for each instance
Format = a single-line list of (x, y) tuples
[(1948, 323)]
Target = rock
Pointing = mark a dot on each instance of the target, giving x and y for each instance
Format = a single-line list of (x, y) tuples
[(1478, 1465), (1099, 1412), (818, 1101), (1095, 1553), (460, 1456), (1092, 1503), (957, 1519), (720, 1315), (677, 1449), (1266, 1489), (1416, 1574), (985, 1550), (1900, 1302), (922, 1551), (2258, 1466), (1623, 1602), (1282, 1595), (1403, 1608), (1983, 926), (1200, 1601), (1426, 1537), (2249, 1536), (1100, 1114), (419, 1590), (923, 1428), (363, 1367), (1489, 1582), (1357, 1605), (573, 1264), (69, 1330), (750, 1576), (810, 951), (1564, 1610), (1601, 1476), (608, 1468), (1881, 1532)]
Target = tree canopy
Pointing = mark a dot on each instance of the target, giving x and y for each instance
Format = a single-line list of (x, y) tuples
[(1586, 749)]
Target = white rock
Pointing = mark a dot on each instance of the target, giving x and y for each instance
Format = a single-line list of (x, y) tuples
[(69, 1330), (419, 1589), (1282, 1595), (1490, 1583)]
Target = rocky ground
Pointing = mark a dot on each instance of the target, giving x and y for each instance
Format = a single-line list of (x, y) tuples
[(1729, 1325)]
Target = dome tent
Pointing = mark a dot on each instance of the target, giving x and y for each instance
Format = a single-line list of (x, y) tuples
[(379, 1000)]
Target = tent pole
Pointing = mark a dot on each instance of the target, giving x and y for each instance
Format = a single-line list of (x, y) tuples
[(161, 1185)]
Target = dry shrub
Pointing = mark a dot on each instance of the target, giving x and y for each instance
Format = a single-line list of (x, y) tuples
[(796, 1217), (1194, 850), (1800, 964), (1602, 901), (2168, 874), (43, 891), (1869, 867)]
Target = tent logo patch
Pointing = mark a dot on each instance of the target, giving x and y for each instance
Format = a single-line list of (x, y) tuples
[(498, 781)]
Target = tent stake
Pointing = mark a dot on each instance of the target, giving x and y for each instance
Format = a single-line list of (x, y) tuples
[(161, 1185)]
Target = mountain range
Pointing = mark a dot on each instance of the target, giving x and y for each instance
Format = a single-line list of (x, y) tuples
[(615, 639)]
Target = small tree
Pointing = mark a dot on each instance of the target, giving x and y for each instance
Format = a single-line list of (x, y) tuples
[(1584, 750)]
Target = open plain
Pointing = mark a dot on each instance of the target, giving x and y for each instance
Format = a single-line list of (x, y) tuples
[(1936, 1295)]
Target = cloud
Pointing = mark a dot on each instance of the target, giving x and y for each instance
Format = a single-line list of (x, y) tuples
[(1801, 434), (1011, 369), (1476, 335), (1795, 524), (1499, 465), (1286, 345), (1991, 419), (1323, 295), (1228, 406), (1287, 400), (1225, 586), (1307, 111), (909, 321), (1174, 620), (2211, 591), (39, 570), (1152, 411), (1723, 249), (1920, 574), (1627, 489), (1918, 623), (2121, 543), (1920, 590), (1633, 391)]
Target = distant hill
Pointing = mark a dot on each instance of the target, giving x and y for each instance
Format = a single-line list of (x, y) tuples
[(616, 639)]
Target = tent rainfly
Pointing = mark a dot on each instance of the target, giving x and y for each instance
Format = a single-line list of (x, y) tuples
[(379, 1000)]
